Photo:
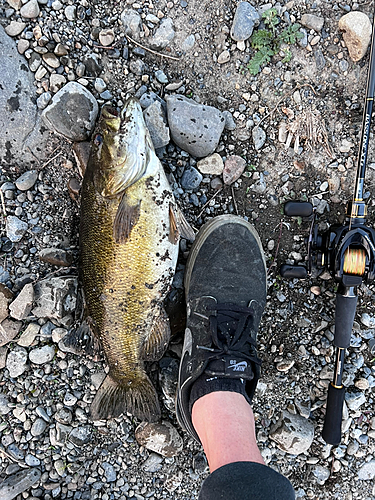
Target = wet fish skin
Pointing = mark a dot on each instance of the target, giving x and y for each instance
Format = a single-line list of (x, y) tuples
[(128, 259)]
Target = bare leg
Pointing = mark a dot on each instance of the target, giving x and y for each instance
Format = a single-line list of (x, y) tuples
[(225, 425)]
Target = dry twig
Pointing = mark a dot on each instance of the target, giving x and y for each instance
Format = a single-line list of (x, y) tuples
[(150, 50), (209, 201)]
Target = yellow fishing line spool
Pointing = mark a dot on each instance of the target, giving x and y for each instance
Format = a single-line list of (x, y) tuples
[(354, 261)]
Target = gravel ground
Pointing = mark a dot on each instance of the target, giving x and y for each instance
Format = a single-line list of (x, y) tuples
[(50, 448)]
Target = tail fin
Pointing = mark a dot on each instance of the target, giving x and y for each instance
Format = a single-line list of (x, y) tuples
[(137, 397)]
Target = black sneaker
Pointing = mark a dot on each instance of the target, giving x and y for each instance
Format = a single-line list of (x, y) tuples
[(225, 287)]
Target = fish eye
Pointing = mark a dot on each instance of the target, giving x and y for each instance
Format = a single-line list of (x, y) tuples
[(98, 139)]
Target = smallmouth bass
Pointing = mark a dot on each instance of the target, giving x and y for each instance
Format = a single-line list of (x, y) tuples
[(129, 232)]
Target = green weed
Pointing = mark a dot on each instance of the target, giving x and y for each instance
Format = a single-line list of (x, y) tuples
[(267, 42)]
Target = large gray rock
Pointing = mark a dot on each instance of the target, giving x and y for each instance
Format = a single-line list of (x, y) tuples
[(19, 482), (293, 433), (72, 113), (20, 123), (245, 18), (194, 128)]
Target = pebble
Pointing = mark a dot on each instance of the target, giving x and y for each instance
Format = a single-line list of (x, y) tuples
[(354, 400), (15, 28), (357, 29), (292, 433), (159, 438), (211, 165), (191, 179), (42, 355), (17, 361), (224, 57), (56, 82), (312, 22), (234, 167), (321, 474), (367, 471), (245, 19), (285, 366), (38, 427), (189, 121), (109, 471), (9, 330), (27, 180), (30, 10), (163, 35), (156, 122), (106, 37), (15, 228), (70, 12), (56, 257), (259, 137), (22, 304), (81, 436)]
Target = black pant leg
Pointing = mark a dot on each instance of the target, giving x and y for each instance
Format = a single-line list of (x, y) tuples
[(246, 481)]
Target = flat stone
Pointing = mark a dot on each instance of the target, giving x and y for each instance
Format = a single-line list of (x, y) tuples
[(9, 330), (70, 12), (312, 22), (293, 433), (109, 472), (160, 438), (56, 257), (188, 43), (72, 113), (17, 362), (195, 128), (321, 474), (80, 436), (42, 355), (163, 35), (15, 28), (233, 169), (357, 29), (132, 22), (354, 400), (156, 122), (245, 19), (55, 297), (51, 59), (22, 304), (27, 180), (29, 335), (367, 471), (22, 45), (15, 228), (212, 165), (17, 483)]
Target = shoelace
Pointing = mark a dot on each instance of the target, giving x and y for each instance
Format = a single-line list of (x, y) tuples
[(230, 330)]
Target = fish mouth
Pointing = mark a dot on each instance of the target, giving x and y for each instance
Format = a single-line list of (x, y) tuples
[(111, 118)]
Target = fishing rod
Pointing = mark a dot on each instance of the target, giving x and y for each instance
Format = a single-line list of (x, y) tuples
[(348, 252)]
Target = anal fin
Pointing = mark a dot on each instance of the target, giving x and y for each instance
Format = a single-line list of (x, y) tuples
[(157, 341), (179, 226)]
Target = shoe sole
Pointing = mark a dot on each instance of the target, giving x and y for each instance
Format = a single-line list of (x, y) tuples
[(204, 233)]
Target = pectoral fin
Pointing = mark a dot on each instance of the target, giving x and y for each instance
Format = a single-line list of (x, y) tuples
[(83, 338), (126, 218), (179, 226), (157, 341)]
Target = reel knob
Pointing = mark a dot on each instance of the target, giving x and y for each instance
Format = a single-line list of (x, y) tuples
[(298, 209)]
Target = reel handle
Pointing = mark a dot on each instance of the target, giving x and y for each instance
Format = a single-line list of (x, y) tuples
[(288, 271), (346, 304), (298, 209)]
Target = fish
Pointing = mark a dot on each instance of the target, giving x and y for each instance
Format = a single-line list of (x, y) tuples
[(130, 228)]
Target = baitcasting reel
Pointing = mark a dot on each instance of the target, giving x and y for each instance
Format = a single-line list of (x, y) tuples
[(348, 252)]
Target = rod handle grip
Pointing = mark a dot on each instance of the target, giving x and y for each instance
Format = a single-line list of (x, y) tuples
[(344, 319), (298, 209), (332, 423)]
